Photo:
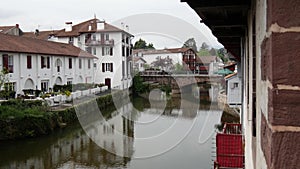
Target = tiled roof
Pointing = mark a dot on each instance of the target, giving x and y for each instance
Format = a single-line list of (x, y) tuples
[(3, 29), (231, 75), (10, 43), (179, 50), (160, 51), (84, 28), (135, 59), (44, 35), (206, 59)]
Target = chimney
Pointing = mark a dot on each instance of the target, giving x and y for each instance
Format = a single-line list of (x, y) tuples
[(68, 27), (100, 25)]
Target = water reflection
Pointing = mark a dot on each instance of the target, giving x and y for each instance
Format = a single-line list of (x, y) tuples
[(178, 136)]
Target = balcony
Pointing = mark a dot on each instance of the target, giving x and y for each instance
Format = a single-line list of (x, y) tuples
[(90, 42)]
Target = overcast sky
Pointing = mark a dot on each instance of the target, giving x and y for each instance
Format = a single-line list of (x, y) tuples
[(165, 23)]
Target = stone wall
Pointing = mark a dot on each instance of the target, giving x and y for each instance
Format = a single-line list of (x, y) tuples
[(280, 60)]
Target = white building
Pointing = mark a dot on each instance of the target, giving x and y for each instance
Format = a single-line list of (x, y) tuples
[(166, 59), (139, 64), (110, 44), (234, 90), (39, 64)]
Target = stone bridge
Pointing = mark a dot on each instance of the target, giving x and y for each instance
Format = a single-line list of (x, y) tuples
[(182, 80)]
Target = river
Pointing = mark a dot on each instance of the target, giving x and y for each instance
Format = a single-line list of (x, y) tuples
[(138, 135)]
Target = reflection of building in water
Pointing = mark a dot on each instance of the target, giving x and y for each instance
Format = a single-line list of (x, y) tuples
[(115, 134), (75, 147)]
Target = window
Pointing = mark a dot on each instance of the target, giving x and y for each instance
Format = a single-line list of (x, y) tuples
[(45, 62), (58, 64), (123, 68), (236, 85), (89, 63), (94, 37), (29, 62), (127, 40), (69, 81), (107, 51), (10, 86), (8, 63), (71, 40), (70, 63), (107, 37), (127, 51), (88, 49), (44, 86), (111, 51), (107, 67), (123, 50), (123, 38), (80, 63), (94, 51)]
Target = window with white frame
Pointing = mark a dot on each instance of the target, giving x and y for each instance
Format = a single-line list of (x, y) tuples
[(44, 85), (8, 63), (11, 86), (45, 62), (107, 67)]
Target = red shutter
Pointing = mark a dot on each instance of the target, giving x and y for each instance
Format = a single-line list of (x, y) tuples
[(70, 63), (5, 61), (48, 62), (111, 67), (29, 65), (103, 67), (42, 62)]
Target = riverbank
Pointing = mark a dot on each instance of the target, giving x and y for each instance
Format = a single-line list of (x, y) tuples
[(25, 119)]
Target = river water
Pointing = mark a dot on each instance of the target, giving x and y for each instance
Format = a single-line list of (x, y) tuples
[(138, 135)]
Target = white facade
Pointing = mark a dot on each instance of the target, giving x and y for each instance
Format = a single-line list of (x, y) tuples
[(113, 49), (138, 64), (55, 70), (234, 91)]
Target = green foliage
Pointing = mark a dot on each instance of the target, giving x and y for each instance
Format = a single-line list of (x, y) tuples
[(221, 54), (138, 85), (4, 94), (21, 108), (3, 77), (141, 44), (67, 93), (203, 52)]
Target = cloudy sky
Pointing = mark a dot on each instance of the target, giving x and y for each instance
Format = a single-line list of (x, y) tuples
[(165, 23)]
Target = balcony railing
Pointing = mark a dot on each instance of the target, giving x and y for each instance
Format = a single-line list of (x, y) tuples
[(99, 42)]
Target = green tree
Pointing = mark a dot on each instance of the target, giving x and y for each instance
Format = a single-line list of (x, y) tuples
[(141, 44), (222, 54), (138, 85), (3, 77), (190, 43)]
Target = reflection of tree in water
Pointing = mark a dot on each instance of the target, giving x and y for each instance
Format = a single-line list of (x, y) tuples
[(68, 147)]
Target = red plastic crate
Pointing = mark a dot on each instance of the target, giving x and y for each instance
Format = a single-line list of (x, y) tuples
[(230, 149)]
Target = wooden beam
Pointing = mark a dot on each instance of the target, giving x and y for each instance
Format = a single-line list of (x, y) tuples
[(230, 7), (216, 3)]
